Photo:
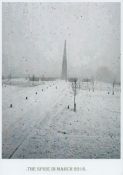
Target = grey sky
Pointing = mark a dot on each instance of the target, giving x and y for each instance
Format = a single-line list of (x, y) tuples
[(34, 34)]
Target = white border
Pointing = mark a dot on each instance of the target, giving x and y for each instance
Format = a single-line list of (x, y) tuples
[(94, 166), (61, 0)]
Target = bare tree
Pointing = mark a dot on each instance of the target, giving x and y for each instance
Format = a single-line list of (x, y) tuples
[(9, 78), (87, 83), (3, 77), (74, 86), (92, 84), (113, 86)]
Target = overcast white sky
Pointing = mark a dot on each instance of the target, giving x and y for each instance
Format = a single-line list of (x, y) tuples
[(34, 34)]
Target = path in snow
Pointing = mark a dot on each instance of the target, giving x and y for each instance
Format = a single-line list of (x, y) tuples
[(18, 124), (48, 129)]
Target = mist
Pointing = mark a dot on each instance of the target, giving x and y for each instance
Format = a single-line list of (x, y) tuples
[(33, 36)]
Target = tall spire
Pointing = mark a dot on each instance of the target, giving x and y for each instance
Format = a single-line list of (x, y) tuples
[(64, 63)]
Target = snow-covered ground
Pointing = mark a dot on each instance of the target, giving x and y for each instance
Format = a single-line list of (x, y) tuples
[(42, 126)]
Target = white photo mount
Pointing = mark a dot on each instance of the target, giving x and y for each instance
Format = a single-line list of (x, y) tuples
[(67, 28)]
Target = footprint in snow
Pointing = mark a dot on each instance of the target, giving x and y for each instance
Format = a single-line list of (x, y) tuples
[(62, 132), (10, 105)]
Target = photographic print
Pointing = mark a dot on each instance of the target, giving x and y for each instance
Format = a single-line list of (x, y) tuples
[(61, 80)]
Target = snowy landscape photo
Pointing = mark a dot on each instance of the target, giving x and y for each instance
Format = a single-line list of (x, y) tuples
[(61, 83)]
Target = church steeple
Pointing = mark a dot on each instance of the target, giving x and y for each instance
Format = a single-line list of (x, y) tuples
[(64, 63)]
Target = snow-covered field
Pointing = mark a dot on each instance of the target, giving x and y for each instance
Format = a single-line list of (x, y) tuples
[(40, 125)]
